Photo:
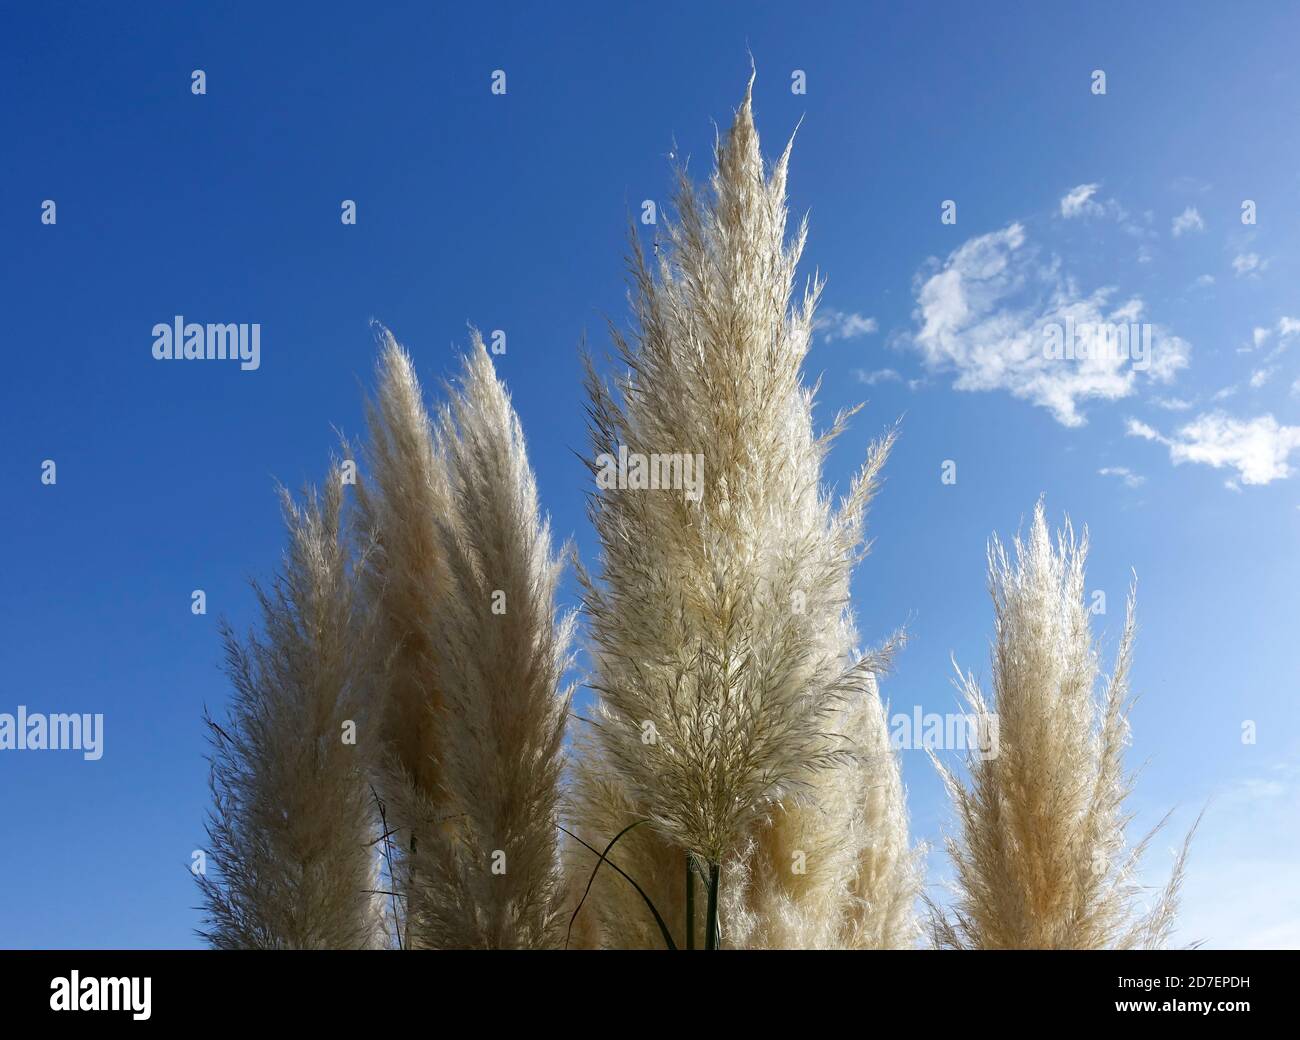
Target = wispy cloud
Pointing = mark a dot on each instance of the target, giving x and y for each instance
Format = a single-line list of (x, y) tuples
[(835, 325), (1130, 479), (1258, 449), (880, 375), (1248, 264), (986, 312), (1189, 184), (1187, 221), (1082, 202), (1078, 202), (1281, 335)]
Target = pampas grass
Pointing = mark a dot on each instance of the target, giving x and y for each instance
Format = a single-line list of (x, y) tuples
[(403, 498), (735, 768), (858, 877), (291, 832), (463, 591), (720, 628), (1042, 862), (490, 876)]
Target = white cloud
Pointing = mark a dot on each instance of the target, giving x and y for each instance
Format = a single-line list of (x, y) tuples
[(1205, 280), (1137, 428), (986, 312), (1287, 330), (1188, 220), (880, 375), (1131, 479), (1079, 202), (1082, 201), (1258, 449), (1172, 404), (1248, 264), (839, 325)]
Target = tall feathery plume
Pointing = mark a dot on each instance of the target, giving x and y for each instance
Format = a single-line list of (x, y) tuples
[(1042, 861), (292, 830), (887, 871), (832, 868), (403, 497), (718, 630), (614, 914), (490, 877)]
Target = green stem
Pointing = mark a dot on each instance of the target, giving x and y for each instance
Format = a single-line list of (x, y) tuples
[(690, 903), (711, 933), (604, 858)]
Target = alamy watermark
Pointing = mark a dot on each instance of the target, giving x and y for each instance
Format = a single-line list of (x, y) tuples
[(34, 731), (190, 341), (636, 471), (1098, 341), (930, 731), (71, 992)]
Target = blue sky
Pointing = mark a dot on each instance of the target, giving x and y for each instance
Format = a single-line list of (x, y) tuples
[(510, 212)]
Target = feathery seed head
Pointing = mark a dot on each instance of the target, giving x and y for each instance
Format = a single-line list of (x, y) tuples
[(1042, 861), (721, 631)]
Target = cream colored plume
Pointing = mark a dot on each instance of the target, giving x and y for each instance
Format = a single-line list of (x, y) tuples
[(1040, 855), (292, 830), (732, 713)]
